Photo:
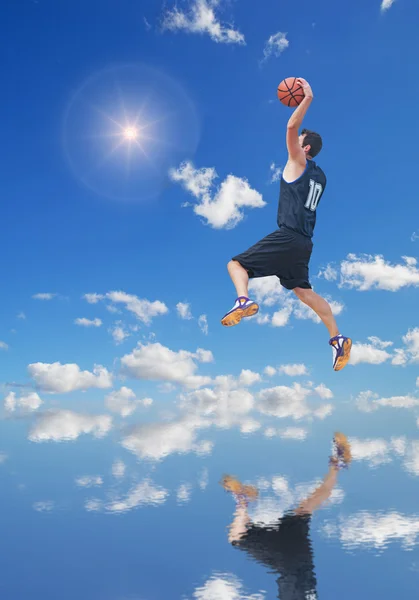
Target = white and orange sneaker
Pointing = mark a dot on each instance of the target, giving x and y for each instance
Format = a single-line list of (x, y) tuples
[(243, 307), (341, 347)]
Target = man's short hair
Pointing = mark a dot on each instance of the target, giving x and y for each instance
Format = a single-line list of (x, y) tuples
[(314, 140)]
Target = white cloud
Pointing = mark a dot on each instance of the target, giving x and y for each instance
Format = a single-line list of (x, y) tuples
[(374, 530), (3, 457), (155, 362), (143, 309), (58, 378), (386, 4), (44, 506), (269, 371), (203, 324), (183, 493), (323, 392), (281, 317), (293, 369), (276, 172), (21, 316), (145, 493), (124, 402), (118, 333), (118, 469), (202, 19), (282, 401), (63, 425), (4, 346), (415, 235), (184, 310), (224, 586), (411, 339), (369, 401), (29, 402), (368, 353), (224, 208), (329, 273), (93, 298), (366, 272), (268, 291), (89, 481), (156, 441), (376, 341), (275, 45), (43, 296), (88, 322), (223, 406)]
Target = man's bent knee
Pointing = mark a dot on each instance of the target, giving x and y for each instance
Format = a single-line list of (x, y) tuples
[(302, 293)]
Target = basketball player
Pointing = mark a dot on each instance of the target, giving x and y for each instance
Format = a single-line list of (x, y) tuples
[(284, 546), (286, 252)]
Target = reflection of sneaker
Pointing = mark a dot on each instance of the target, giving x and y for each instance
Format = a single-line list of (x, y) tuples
[(243, 307), (342, 456), (341, 347), (243, 494)]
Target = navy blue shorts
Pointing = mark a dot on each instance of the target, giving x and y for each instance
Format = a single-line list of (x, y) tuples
[(283, 253)]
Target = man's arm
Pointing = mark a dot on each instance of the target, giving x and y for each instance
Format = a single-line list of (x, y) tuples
[(295, 152)]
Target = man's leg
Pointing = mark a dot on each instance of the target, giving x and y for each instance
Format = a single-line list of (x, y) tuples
[(340, 344), (320, 307), (239, 277), (243, 307)]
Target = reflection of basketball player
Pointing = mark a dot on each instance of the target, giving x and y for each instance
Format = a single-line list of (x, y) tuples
[(286, 252), (285, 547)]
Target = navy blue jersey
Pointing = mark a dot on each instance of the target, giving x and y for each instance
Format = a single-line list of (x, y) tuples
[(298, 201)]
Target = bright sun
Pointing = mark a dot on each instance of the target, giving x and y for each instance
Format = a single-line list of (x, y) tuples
[(130, 133)]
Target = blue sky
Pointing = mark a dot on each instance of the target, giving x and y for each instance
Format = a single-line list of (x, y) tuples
[(124, 399)]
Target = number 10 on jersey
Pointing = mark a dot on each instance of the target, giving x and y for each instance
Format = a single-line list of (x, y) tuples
[(314, 194)]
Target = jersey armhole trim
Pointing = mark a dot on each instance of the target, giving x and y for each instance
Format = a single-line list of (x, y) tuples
[(295, 180)]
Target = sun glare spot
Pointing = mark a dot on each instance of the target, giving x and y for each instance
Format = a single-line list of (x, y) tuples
[(130, 133)]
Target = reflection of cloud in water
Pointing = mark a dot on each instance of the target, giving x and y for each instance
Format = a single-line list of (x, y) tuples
[(118, 469), (158, 440), (89, 481), (374, 530), (183, 494), (63, 425), (44, 506), (378, 451), (224, 586), (145, 493)]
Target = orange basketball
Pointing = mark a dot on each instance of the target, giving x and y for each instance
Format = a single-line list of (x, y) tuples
[(290, 92)]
